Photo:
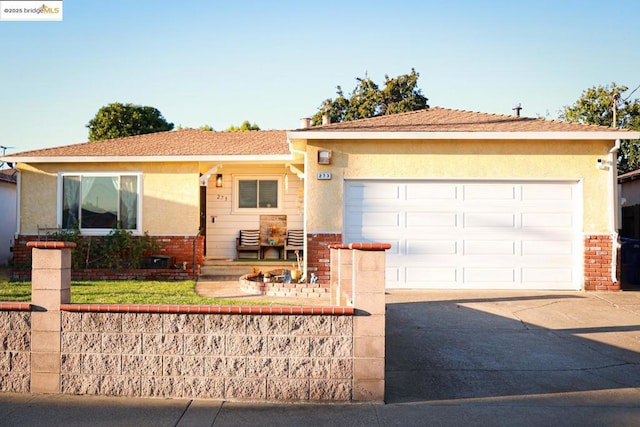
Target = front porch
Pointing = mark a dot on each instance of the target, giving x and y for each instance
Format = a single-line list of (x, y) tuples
[(239, 197)]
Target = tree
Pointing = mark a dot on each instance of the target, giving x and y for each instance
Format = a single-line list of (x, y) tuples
[(244, 126), (118, 120), (399, 95), (610, 106)]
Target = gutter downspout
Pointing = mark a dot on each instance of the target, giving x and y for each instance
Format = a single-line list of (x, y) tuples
[(303, 176), (18, 198), (614, 209)]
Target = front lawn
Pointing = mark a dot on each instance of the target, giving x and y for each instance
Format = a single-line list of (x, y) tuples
[(120, 292)]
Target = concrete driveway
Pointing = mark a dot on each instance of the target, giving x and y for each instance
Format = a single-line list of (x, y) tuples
[(525, 348)]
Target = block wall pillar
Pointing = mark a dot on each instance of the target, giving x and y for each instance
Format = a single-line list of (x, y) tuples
[(361, 278), (50, 287)]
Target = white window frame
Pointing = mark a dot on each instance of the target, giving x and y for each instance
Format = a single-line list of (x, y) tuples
[(101, 231), (236, 194)]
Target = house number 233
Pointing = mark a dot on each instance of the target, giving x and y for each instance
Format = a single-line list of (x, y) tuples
[(324, 175)]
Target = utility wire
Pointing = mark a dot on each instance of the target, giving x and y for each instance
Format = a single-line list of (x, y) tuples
[(627, 98)]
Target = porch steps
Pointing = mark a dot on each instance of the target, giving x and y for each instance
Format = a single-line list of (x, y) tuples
[(225, 270)]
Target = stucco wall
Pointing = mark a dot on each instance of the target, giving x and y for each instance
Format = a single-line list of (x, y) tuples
[(438, 159), (170, 206)]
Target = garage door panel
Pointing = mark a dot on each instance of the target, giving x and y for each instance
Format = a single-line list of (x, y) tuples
[(547, 247), (489, 192), (472, 235), (431, 275), (431, 219), (430, 191), (375, 219), (553, 192), (547, 220), (489, 247), (489, 275), (383, 191), (546, 275), (431, 247), (489, 220), (392, 274)]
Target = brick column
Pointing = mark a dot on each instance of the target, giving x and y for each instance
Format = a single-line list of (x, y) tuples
[(598, 252), (50, 287), (362, 270)]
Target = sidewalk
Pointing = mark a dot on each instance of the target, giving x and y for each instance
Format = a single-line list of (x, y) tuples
[(617, 407)]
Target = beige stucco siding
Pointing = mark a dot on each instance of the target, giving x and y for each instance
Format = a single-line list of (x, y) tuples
[(170, 204), (464, 159), (221, 234)]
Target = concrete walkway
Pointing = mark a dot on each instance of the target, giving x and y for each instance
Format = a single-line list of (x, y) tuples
[(231, 290), (453, 358)]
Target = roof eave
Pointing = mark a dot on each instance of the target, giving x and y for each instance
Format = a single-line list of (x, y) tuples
[(265, 158), (563, 135)]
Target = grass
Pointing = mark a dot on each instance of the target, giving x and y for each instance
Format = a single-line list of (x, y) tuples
[(122, 292)]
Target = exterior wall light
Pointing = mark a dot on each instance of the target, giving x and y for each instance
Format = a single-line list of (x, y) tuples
[(219, 180), (602, 164), (324, 157)]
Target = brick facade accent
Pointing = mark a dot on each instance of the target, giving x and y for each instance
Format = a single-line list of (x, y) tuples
[(319, 256), (180, 248), (598, 254)]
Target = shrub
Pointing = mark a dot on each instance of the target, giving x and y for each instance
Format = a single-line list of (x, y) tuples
[(119, 249)]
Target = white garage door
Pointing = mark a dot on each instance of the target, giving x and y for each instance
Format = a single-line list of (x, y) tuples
[(470, 234)]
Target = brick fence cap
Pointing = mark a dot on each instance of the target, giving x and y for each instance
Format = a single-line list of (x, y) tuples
[(361, 246), (50, 245)]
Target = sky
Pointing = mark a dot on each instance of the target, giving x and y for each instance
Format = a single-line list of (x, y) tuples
[(274, 62)]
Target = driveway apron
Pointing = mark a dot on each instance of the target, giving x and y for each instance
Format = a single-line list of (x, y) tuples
[(449, 345)]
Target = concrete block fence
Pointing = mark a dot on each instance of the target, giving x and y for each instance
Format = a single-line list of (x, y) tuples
[(15, 347), (331, 353)]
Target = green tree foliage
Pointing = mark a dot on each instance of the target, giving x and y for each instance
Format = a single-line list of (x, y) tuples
[(398, 95), (118, 120), (598, 105), (246, 125)]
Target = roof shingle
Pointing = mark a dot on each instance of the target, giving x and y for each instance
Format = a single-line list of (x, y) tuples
[(185, 142), (437, 119)]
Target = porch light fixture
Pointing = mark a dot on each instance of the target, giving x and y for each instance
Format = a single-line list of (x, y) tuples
[(324, 157), (602, 164), (219, 180)]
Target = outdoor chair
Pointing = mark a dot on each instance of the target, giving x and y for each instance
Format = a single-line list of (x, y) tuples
[(294, 242), (248, 241)]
